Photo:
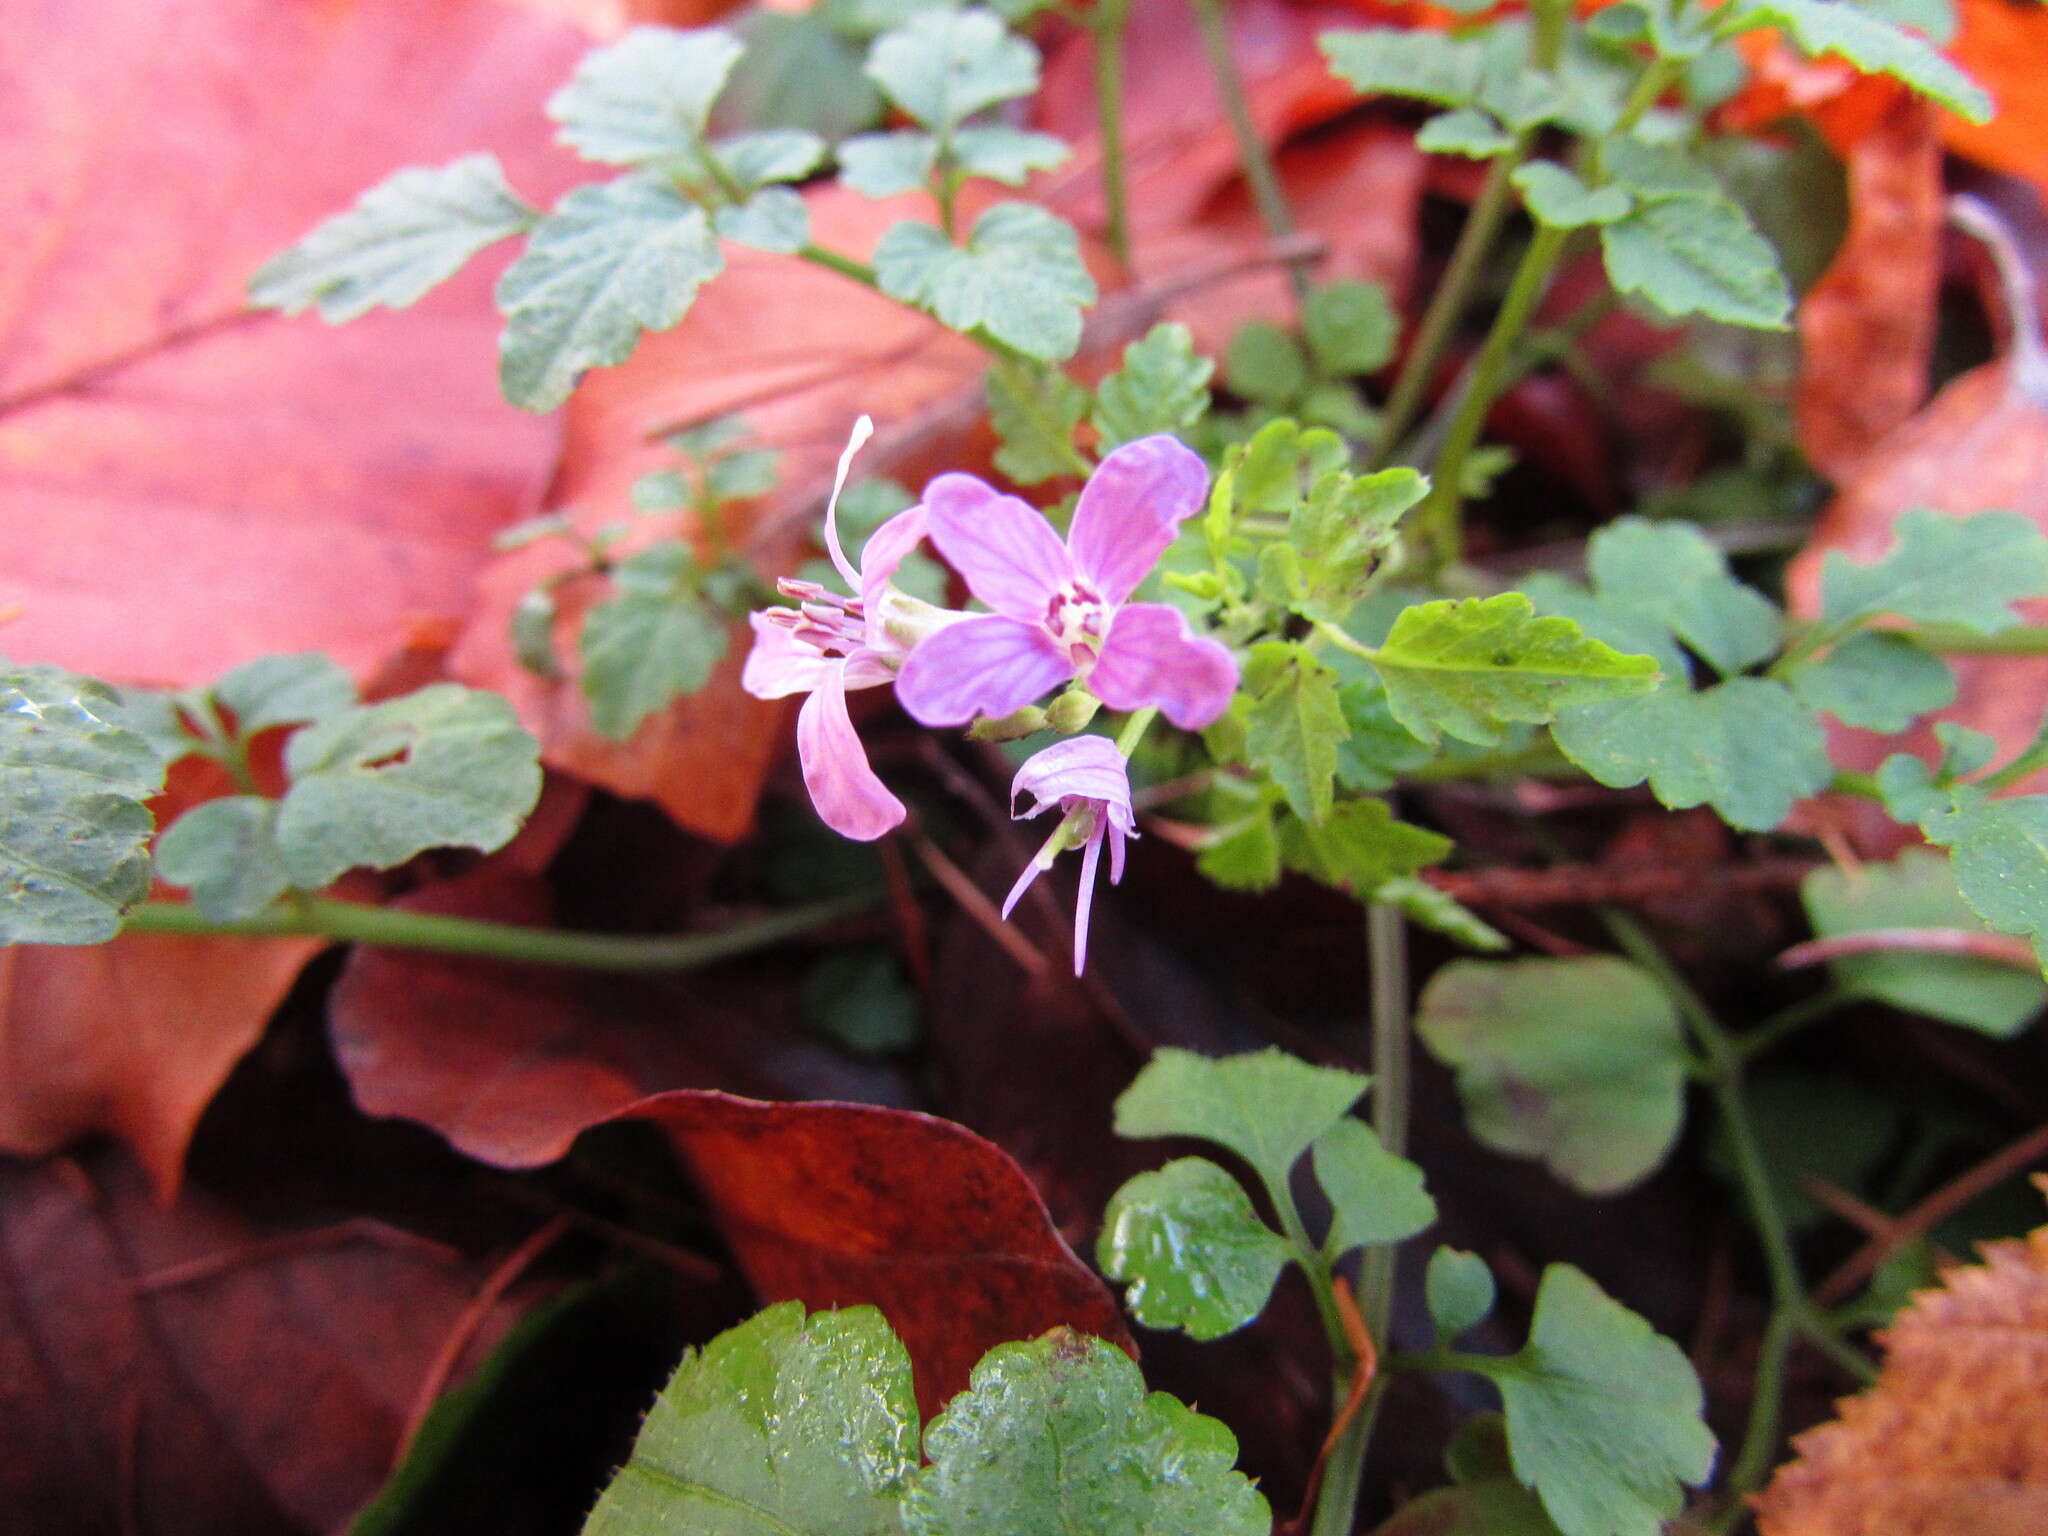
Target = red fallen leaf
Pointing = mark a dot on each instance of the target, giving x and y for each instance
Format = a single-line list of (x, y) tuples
[(180, 1370), (2001, 44), (1866, 328), (228, 484), (608, 18)]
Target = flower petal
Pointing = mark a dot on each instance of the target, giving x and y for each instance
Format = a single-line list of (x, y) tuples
[(886, 549), (1151, 657), (780, 664), (863, 429), (850, 799), (1130, 510), (1090, 859), (1012, 559), (1087, 766), (986, 665)]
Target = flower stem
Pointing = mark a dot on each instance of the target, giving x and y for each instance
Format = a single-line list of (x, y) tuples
[(1107, 22), (1135, 727), (391, 928)]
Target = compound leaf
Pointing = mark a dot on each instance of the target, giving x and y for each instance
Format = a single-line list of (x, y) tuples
[(1266, 1106), (1668, 573), (644, 100), (1942, 570), (1422, 66), (887, 164), (1020, 277), (1294, 724), (2000, 853), (1034, 412), (1192, 1249), (1876, 680), (1871, 44), (1162, 386)]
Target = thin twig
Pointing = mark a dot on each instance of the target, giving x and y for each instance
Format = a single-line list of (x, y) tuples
[(1997, 948), (978, 907), (1362, 1377)]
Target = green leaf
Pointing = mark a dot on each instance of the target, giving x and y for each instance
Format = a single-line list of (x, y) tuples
[(1746, 747), (756, 160), (859, 996), (1004, 154), (888, 164), (1459, 1289), (1670, 574), (410, 232), (1877, 681), (1965, 571), (737, 476), (1265, 364), (1245, 855), (1351, 327), (1698, 256), (1034, 412), (1603, 1414), (1440, 912), (1657, 171), (943, 66), (644, 100), (1999, 849), (1375, 1197), (1484, 1498), (283, 690), (1918, 890), (1191, 1248), (650, 643), (1467, 131), (1469, 668), (784, 1424), (1162, 386), (1343, 530), (1059, 1435), (1421, 66), (798, 72), (445, 766), (1359, 847), (773, 219), (74, 827), (1377, 749), (1266, 1106), (1874, 46), (1579, 1062), (1020, 277), (1294, 724), (1554, 196), (614, 259), (225, 852), (1625, 628)]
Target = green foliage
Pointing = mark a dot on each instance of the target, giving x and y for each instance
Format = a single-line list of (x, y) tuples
[(1440, 912), (1265, 1106), (411, 231), (1244, 855), (1359, 847), (1020, 278), (226, 852), (74, 822), (858, 995), (1162, 386), (799, 71), (943, 66), (1603, 1415), (1466, 131), (1034, 411), (1872, 45), (887, 164), (644, 100), (1965, 571), (1004, 154), (1458, 1288), (1294, 724), (1697, 255), (1875, 680), (614, 259), (1192, 1249), (1375, 1197), (1266, 364), (283, 690), (774, 219), (1554, 196), (1418, 65), (1351, 327), (1340, 534), (1999, 849), (1483, 1499), (1918, 890), (653, 640), (1579, 1062), (1668, 574)]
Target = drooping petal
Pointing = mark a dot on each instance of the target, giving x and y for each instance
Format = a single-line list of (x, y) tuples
[(863, 429), (850, 799), (1030, 873), (1090, 859), (1116, 853), (1012, 559), (1151, 657), (1087, 766), (986, 665), (780, 664), (1130, 510), (887, 547)]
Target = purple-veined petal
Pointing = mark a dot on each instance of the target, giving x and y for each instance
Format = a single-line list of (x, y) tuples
[(863, 429), (887, 548), (986, 665), (850, 799), (1012, 559), (865, 668), (780, 664), (1087, 766), (1091, 857), (1151, 657), (1130, 510)]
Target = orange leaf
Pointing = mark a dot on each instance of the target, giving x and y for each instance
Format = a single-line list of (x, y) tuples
[(1954, 1436), (2004, 45)]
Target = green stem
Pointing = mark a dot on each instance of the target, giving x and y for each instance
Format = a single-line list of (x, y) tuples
[(1107, 22), (1760, 1435), (1135, 727), (1788, 1020), (391, 928), (1258, 165)]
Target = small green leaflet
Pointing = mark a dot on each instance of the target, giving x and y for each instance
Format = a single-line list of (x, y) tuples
[(1005, 154), (887, 164), (1918, 890), (1193, 1251), (1059, 1435), (74, 826), (1034, 411), (1244, 855), (1265, 1106), (756, 160), (1554, 196), (1265, 364), (1162, 386), (1458, 1288), (1351, 327), (1483, 1498), (1670, 574), (446, 766), (943, 66), (1342, 532), (283, 690), (410, 232), (1466, 131), (1698, 255), (1375, 1196), (1603, 1415), (1294, 724), (1419, 65), (1579, 1062), (1440, 912), (1746, 747), (1468, 668), (1942, 570), (1359, 847), (1876, 680), (773, 219), (1872, 45), (1020, 277), (1377, 749), (225, 851), (645, 99), (2000, 852), (650, 643), (786, 1423), (614, 259)]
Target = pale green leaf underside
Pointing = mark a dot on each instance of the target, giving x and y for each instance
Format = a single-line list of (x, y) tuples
[(1192, 1251), (943, 66), (774, 219), (1418, 65), (409, 233), (887, 164), (1698, 256), (1556, 197), (1459, 1291), (642, 652), (1265, 1105), (1834, 26), (283, 690), (1020, 277), (1669, 574), (645, 98), (225, 852), (1942, 570), (1466, 131)]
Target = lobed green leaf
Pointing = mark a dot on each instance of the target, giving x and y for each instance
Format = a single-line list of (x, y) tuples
[(1266, 1106), (1020, 277), (225, 852), (1161, 386), (1192, 1250), (1375, 1197), (942, 66), (1870, 43), (1876, 681), (654, 640), (644, 100), (1698, 256), (1966, 571)]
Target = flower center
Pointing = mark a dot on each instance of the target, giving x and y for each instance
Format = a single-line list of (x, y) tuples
[(827, 621), (1078, 621)]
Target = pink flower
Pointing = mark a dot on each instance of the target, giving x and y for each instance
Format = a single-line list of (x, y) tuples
[(1060, 609), (829, 643), (1086, 778)]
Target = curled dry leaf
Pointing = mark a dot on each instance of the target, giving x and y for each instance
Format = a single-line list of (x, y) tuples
[(1954, 1436)]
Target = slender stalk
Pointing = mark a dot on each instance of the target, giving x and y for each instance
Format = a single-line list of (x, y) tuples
[(390, 928), (1135, 727), (1760, 1435), (1107, 22), (1787, 1021), (1258, 165)]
